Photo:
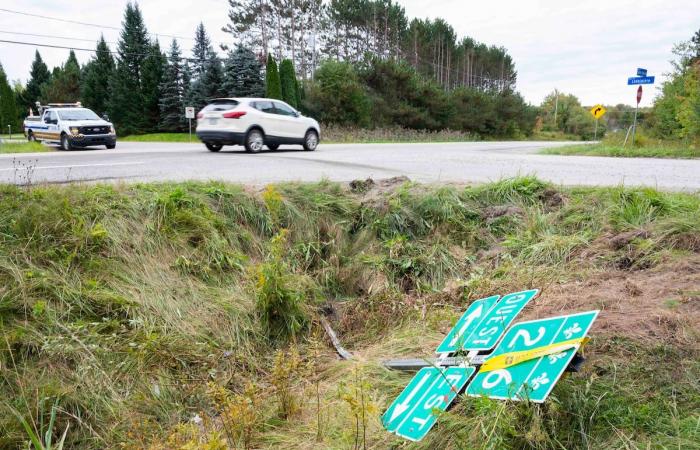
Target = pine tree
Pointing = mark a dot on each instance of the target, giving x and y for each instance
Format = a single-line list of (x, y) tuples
[(242, 74), (8, 106), (211, 84), (64, 86), (273, 86), (200, 52), (38, 77), (288, 82), (126, 104), (96, 76), (151, 78), (172, 93)]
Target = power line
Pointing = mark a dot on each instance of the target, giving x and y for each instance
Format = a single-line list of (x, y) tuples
[(54, 37), (87, 24), (90, 50)]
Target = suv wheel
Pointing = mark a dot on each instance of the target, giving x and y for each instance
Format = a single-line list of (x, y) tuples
[(254, 141), (310, 141), (65, 143), (213, 147)]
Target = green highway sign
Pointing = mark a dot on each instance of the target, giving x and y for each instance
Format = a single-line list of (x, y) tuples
[(535, 378), (433, 389), (466, 324), (497, 320)]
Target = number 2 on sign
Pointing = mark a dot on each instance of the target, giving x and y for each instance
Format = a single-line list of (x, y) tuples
[(528, 340)]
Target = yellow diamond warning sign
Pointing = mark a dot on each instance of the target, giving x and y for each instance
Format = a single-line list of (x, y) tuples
[(598, 111)]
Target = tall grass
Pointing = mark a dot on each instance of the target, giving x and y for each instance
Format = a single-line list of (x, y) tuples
[(135, 305)]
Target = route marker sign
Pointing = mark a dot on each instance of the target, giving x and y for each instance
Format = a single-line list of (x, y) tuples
[(598, 111), (412, 414), (496, 322), (467, 324), (533, 379), (631, 81), (641, 72)]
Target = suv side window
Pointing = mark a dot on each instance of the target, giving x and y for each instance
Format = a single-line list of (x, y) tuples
[(284, 110), (265, 107)]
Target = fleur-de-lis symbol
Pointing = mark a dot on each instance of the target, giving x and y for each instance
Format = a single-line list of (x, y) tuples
[(539, 381), (575, 328), (556, 357)]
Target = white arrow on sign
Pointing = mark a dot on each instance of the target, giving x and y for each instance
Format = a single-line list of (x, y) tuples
[(474, 315), (403, 406)]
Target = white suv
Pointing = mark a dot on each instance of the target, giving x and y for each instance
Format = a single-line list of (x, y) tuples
[(254, 122)]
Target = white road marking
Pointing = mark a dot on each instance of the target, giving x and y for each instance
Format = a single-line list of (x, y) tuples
[(75, 166)]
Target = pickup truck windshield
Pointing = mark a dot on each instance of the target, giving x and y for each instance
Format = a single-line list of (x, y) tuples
[(78, 114)]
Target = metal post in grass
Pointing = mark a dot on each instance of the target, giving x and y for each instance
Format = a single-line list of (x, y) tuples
[(9, 131), (636, 110)]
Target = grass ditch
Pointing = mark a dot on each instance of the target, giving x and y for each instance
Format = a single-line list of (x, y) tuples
[(186, 315)]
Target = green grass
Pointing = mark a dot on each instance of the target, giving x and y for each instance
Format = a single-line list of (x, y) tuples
[(645, 147), (134, 308), (628, 152), (23, 147), (160, 137)]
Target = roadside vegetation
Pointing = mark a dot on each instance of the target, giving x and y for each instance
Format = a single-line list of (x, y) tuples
[(645, 147), (171, 316), (23, 147)]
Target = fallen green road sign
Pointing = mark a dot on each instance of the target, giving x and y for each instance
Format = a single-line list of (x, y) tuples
[(466, 324), (431, 390), (497, 320), (533, 379)]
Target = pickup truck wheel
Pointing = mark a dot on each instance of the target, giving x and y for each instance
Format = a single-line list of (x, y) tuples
[(65, 143), (273, 146), (254, 141), (111, 146), (213, 147), (310, 141)]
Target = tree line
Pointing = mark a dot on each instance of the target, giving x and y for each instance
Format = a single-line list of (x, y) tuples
[(337, 62)]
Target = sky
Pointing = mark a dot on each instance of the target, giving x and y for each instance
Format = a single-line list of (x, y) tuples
[(585, 47)]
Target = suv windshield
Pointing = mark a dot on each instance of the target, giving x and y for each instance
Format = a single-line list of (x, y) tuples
[(78, 114), (220, 105)]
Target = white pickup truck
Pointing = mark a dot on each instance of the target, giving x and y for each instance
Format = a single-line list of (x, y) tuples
[(70, 125)]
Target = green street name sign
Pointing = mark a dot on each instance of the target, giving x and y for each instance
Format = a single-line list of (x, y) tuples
[(497, 320), (466, 324), (431, 391), (532, 379)]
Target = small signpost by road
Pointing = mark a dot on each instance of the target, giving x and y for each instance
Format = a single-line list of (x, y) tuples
[(640, 79), (525, 365), (412, 414), (531, 358), (189, 115), (597, 111)]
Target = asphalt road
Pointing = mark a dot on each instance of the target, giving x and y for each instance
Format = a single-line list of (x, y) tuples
[(447, 162)]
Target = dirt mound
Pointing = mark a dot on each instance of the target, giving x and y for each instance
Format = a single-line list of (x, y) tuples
[(661, 305)]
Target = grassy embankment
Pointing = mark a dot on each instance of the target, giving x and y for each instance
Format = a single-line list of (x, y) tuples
[(645, 147), (166, 315), (339, 135), (23, 147)]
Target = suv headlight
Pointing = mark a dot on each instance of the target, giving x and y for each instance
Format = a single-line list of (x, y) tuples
[(74, 130), (112, 130)]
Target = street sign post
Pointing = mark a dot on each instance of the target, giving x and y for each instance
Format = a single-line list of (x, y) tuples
[(636, 111), (467, 324), (496, 322), (555, 340), (632, 81), (189, 115), (597, 111), (412, 414)]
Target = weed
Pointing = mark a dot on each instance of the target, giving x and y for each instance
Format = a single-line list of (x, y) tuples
[(286, 371)]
